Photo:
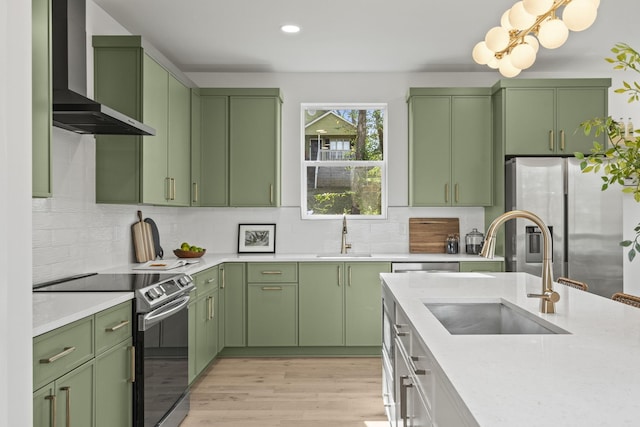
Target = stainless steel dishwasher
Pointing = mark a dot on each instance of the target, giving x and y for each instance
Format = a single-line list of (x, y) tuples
[(424, 267)]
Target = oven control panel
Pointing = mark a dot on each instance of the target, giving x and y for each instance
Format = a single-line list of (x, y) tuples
[(164, 291)]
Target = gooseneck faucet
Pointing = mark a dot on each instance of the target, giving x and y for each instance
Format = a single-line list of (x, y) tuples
[(548, 297), (344, 246)]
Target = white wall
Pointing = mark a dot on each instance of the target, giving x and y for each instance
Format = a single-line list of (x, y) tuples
[(15, 213)]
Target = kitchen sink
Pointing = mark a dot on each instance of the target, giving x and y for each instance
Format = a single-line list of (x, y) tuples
[(343, 255), (489, 318)]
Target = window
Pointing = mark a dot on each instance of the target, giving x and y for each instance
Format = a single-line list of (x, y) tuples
[(343, 165)]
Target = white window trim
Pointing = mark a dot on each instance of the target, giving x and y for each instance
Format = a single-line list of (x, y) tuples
[(361, 163)]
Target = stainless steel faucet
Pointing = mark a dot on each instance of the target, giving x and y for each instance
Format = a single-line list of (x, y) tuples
[(344, 246), (548, 297)]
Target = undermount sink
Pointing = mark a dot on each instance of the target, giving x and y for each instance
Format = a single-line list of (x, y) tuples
[(489, 318), (343, 255)]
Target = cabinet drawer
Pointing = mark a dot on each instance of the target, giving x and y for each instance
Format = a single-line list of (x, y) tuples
[(205, 281), (113, 325), (423, 369), (61, 350), (270, 272)]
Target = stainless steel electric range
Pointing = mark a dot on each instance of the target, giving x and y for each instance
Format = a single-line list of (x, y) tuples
[(161, 396)]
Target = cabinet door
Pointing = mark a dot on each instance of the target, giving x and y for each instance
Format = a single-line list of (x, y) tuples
[(530, 121), (196, 135), (75, 397), (254, 160), (114, 391), (574, 106), (321, 308), (430, 151), (214, 154), (363, 303), (41, 99), (206, 331), (234, 305), (44, 400), (471, 150), (221, 307), (193, 342), (272, 315), (155, 185), (179, 154)]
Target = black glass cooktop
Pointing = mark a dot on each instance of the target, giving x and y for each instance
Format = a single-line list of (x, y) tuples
[(94, 282)]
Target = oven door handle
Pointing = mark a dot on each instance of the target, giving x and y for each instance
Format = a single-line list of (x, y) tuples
[(159, 314)]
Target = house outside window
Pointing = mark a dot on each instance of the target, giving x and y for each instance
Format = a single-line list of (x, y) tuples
[(344, 165)]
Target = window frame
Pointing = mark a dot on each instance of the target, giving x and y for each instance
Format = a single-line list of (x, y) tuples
[(382, 164)]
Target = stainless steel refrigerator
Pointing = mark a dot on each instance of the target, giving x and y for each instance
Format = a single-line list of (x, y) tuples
[(585, 222)]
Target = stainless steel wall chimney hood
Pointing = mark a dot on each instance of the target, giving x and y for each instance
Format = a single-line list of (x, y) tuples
[(72, 110)]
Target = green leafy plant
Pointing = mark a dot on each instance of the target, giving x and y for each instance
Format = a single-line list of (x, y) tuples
[(619, 164)]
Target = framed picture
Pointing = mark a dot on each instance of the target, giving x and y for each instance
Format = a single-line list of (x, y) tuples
[(256, 238)]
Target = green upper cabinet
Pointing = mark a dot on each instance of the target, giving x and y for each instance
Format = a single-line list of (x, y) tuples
[(41, 96), (543, 116), (450, 147), (196, 168), (141, 169), (240, 146)]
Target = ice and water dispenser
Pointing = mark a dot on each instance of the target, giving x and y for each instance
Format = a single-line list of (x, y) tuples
[(534, 248)]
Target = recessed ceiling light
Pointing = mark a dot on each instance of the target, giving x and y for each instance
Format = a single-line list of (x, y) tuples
[(289, 28)]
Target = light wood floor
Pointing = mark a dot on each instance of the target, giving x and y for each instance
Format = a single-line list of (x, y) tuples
[(301, 392)]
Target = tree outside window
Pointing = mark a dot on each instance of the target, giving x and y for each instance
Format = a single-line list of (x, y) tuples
[(344, 167)]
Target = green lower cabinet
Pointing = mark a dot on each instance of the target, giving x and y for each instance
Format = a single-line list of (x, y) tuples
[(69, 399), (272, 315), (339, 303), (232, 282), (479, 266), (114, 391), (321, 304), (363, 303)]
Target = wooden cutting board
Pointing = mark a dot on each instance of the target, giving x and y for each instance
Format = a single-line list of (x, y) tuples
[(429, 235), (143, 240)]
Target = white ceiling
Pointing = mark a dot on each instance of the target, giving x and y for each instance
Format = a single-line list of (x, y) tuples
[(351, 35)]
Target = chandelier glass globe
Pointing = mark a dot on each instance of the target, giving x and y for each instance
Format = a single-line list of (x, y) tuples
[(580, 14), (497, 39), (553, 33), (520, 18), (481, 53), (537, 7), (530, 40), (506, 68), (523, 56)]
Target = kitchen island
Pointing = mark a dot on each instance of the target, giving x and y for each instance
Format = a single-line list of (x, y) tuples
[(586, 377)]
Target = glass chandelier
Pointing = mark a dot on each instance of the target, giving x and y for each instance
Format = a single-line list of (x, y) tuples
[(512, 46)]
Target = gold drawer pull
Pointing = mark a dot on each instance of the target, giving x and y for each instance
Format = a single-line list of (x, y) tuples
[(118, 326), (68, 417), (133, 364), (65, 352), (272, 272), (272, 288), (211, 280)]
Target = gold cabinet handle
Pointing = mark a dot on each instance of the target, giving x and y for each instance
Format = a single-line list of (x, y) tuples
[(68, 417), (349, 275), (167, 188), (209, 308), (195, 192), (52, 409), (446, 193), (271, 272), (457, 191), (271, 194), (118, 326), (222, 279), (173, 187), (339, 276), (63, 353), (272, 288), (132, 352), (551, 140), (562, 140), (211, 280)]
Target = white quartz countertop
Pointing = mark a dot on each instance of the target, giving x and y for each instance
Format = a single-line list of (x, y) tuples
[(52, 310), (212, 259), (589, 377)]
